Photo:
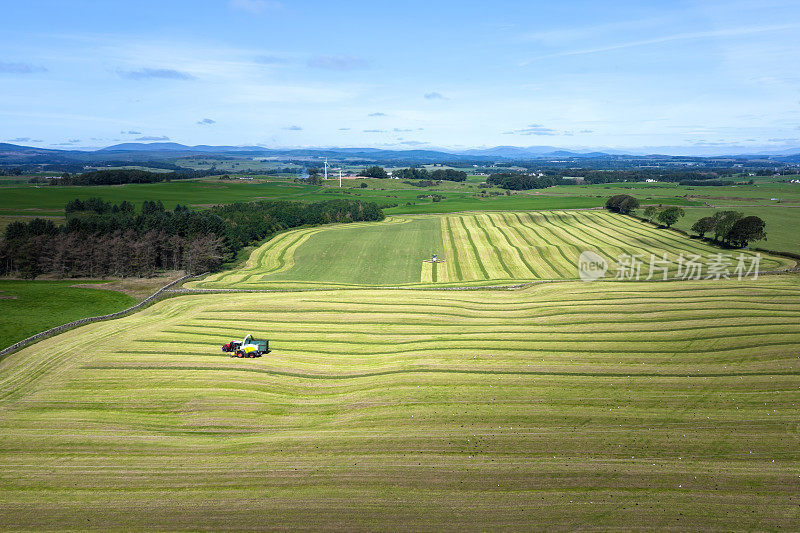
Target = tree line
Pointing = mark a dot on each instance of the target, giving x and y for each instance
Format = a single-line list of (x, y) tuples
[(423, 174), (121, 176), (100, 239), (516, 181), (730, 228), (416, 173)]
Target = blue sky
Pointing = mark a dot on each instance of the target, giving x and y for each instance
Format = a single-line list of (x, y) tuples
[(686, 77)]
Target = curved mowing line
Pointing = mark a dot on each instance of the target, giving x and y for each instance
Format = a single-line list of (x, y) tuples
[(540, 229), (606, 239), (512, 314), (615, 319), (521, 237), (499, 228), (562, 227), (281, 259), (556, 271), (440, 325), (664, 240), (474, 248), (594, 222), (723, 290), (523, 350), (279, 373), (551, 329), (454, 258), (492, 245), (544, 337), (490, 306)]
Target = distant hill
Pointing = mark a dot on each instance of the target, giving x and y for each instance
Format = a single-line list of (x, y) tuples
[(141, 152), (176, 147), (531, 152)]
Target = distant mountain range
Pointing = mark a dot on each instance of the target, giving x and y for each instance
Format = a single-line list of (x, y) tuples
[(129, 152)]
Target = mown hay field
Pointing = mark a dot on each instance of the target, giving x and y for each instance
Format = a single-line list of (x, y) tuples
[(561, 406), (477, 248)]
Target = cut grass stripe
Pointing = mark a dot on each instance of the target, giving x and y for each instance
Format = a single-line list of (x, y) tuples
[(278, 373)]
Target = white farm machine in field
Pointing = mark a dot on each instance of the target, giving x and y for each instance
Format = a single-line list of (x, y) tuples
[(247, 347)]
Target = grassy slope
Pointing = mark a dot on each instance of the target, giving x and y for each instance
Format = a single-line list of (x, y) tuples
[(35, 306), (478, 248), (615, 406)]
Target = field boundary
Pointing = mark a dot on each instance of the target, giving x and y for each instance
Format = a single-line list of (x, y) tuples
[(88, 320)]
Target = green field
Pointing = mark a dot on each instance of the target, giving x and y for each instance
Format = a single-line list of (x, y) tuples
[(782, 224), (28, 307), (562, 406), (28, 200), (477, 248), (760, 193)]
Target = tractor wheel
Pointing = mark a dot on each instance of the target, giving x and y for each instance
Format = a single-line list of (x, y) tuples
[(240, 354)]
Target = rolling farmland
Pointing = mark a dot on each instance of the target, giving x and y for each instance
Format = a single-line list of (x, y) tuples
[(616, 405), (478, 248)]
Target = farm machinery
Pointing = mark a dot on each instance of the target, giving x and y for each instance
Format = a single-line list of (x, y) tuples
[(247, 347)]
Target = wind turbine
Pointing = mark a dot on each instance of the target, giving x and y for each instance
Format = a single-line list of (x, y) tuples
[(326, 168)]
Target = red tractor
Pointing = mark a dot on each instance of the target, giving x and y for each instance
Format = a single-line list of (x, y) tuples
[(231, 346)]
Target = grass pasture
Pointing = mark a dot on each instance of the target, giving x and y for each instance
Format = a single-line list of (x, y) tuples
[(27, 199), (29, 307), (478, 248), (561, 406), (782, 224)]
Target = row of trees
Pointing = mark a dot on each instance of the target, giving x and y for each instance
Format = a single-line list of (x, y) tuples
[(518, 182), (416, 173), (661, 174), (627, 204), (103, 239), (122, 176), (667, 216), (115, 254), (731, 228)]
